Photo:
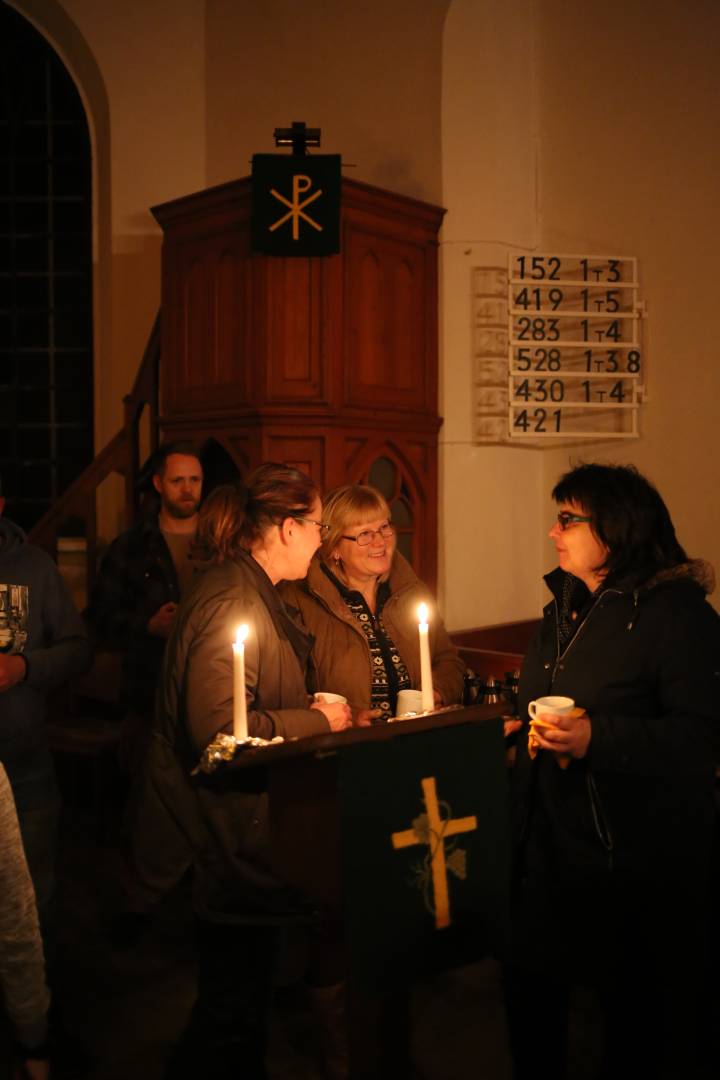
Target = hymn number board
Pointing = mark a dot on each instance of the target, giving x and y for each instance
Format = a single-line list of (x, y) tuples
[(575, 364)]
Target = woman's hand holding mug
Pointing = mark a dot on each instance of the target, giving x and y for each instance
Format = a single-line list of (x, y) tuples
[(557, 725), (570, 733), (335, 709)]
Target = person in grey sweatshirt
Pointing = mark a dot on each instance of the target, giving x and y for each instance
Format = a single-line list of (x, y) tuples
[(42, 644), (22, 968)]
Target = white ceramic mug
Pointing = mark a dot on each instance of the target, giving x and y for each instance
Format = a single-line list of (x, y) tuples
[(553, 705), (329, 699), (409, 702)]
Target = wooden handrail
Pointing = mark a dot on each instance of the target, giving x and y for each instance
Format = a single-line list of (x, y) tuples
[(145, 392), (121, 455)]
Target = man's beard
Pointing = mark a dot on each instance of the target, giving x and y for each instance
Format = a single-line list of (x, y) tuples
[(187, 508)]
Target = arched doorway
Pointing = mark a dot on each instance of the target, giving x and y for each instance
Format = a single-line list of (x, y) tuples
[(46, 332)]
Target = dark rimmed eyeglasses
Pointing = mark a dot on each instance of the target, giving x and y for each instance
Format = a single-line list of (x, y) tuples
[(565, 518), (322, 525), (368, 535)]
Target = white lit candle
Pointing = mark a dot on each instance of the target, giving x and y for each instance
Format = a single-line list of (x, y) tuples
[(240, 728), (426, 683)]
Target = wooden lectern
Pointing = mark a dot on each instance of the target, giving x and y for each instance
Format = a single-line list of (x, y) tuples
[(402, 830)]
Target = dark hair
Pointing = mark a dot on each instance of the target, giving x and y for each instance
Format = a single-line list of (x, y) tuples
[(217, 536), (232, 517), (628, 516), (159, 458)]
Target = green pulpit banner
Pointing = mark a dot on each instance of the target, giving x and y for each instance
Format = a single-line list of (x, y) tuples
[(296, 204), (425, 851)]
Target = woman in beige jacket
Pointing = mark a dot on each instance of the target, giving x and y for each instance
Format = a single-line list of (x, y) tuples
[(360, 602)]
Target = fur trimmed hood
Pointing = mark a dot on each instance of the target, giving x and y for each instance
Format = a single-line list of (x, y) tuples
[(697, 570)]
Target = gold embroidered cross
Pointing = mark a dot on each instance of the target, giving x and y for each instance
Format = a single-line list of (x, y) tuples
[(433, 830)]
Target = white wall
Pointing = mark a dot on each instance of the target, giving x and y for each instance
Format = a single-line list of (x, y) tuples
[(491, 497), (152, 59), (588, 130), (365, 71), (630, 161)]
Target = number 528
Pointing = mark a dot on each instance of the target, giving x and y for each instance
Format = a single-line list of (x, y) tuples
[(538, 360)]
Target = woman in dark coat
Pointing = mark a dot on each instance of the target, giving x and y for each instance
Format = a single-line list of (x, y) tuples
[(250, 541), (613, 852)]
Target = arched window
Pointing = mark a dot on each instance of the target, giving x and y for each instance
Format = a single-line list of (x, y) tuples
[(45, 273), (387, 478)]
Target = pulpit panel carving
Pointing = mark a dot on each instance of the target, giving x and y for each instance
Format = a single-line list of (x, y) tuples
[(210, 330), (385, 291), (306, 453), (294, 328)]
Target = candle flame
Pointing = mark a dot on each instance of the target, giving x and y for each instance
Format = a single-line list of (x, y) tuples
[(423, 613), (242, 633)]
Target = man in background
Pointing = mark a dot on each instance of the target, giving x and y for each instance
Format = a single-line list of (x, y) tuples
[(43, 643), (140, 582)]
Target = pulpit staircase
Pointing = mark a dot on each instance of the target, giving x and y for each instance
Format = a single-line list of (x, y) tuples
[(121, 455), (84, 718)]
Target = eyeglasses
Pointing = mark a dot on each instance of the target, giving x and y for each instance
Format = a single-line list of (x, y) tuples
[(565, 518), (368, 535), (322, 526)]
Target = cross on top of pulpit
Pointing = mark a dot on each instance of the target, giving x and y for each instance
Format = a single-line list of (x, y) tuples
[(298, 136)]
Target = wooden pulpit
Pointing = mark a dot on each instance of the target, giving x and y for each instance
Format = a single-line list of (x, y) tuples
[(402, 830), (329, 363)]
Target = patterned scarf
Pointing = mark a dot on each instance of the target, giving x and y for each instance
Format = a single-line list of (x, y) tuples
[(389, 674)]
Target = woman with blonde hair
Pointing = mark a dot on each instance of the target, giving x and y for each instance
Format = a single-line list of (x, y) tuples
[(360, 602)]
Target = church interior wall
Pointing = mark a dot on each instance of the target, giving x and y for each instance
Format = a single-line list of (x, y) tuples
[(630, 161), (195, 87), (490, 495), (592, 136), (535, 125), (367, 73)]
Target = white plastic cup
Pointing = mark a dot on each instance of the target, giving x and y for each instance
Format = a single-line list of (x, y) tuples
[(329, 699), (550, 705), (409, 703)]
